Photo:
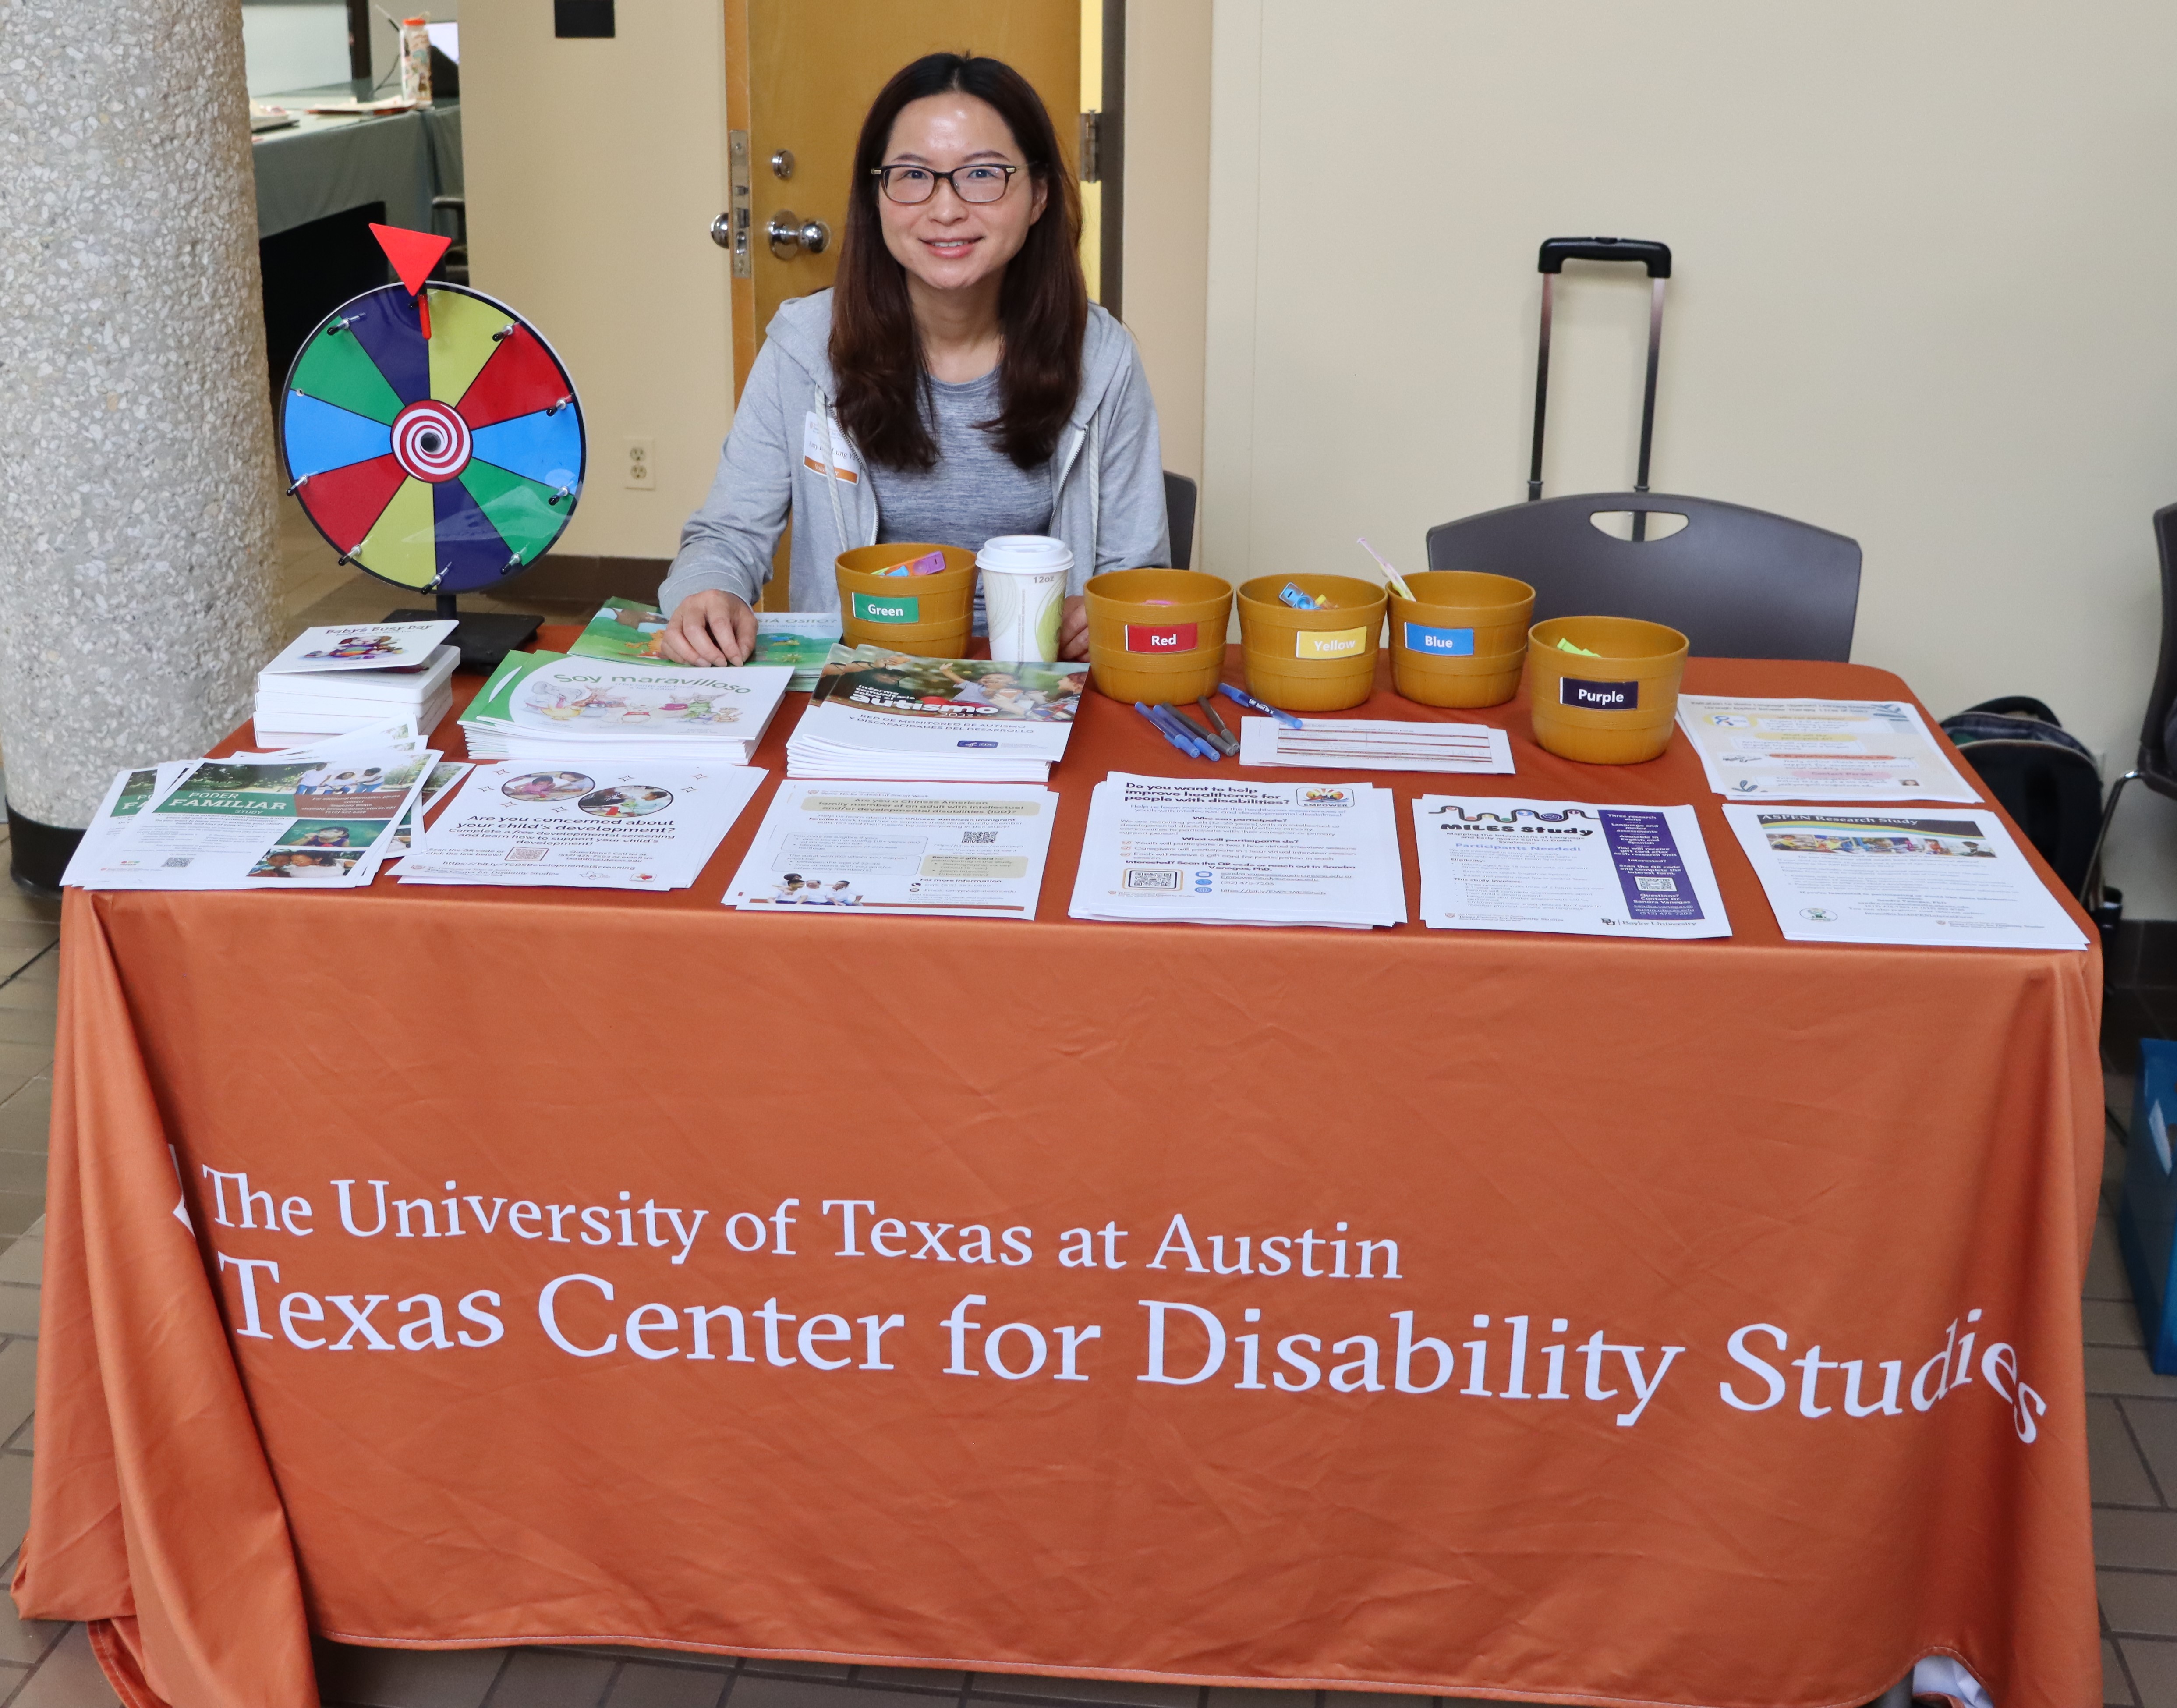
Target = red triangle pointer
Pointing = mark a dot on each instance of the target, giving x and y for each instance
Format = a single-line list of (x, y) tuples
[(413, 254)]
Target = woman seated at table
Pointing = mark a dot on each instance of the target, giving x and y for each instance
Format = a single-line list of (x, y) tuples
[(955, 384)]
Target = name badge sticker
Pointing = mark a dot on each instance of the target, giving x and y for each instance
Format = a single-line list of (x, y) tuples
[(1440, 643), (1598, 696), (1330, 643), (886, 607), (1162, 637), (825, 450)]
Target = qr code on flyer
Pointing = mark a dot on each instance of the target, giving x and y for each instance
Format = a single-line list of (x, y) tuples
[(1152, 878)]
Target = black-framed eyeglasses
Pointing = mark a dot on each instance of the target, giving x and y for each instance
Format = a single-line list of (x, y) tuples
[(908, 185)]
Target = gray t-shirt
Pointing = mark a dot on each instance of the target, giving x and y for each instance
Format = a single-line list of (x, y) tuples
[(974, 491)]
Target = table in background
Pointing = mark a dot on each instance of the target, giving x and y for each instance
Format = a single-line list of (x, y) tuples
[(1871, 1153), (325, 165)]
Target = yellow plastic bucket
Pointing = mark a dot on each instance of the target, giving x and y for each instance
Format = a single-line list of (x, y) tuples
[(1462, 638), (1614, 709), (1163, 653), (929, 616), (1310, 661)]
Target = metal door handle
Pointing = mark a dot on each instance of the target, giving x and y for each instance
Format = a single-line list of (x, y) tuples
[(721, 231), (790, 234)]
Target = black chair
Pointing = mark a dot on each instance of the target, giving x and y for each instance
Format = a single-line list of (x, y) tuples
[(1738, 583), (2153, 766), (1179, 496)]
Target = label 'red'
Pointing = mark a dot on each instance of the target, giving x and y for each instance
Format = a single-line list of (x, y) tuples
[(1162, 637), (1598, 696), (885, 608)]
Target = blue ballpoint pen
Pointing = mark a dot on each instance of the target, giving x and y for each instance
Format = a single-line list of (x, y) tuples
[(1169, 720), (1240, 696), (1161, 730)]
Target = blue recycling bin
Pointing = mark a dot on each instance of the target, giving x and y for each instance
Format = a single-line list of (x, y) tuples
[(2147, 1214)]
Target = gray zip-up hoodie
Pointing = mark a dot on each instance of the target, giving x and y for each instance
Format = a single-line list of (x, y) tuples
[(787, 451)]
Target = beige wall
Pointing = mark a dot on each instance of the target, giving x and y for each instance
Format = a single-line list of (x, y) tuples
[(1166, 242), (1923, 299), (594, 169)]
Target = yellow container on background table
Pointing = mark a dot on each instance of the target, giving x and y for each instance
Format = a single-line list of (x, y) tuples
[(927, 616), (1617, 709), (1310, 661), (1462, 638), (1161, 654)]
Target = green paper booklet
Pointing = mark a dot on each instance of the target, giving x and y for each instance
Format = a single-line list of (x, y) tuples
[(495, 699), (626, 630), (623, 629)]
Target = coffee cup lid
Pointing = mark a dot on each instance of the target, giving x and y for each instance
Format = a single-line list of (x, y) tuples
[(1024, 554)]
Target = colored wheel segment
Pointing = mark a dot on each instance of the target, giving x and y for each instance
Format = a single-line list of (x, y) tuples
[(443, 462)]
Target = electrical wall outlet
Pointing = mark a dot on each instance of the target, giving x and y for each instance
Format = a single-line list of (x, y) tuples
[(641, 471)]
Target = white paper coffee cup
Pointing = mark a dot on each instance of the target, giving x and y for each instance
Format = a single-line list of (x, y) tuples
[(1024, 593)]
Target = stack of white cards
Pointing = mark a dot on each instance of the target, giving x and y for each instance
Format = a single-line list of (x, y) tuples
[(1362, 744), (1161, 848), (650, 825), (884, 715), (335, 680), (549, 706), (1495, 864), (972, 851)]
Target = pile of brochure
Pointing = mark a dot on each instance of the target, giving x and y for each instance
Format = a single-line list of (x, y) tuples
[(1164, 849), (1817, 749), (339, 680), (1941, 876), (322, 817), (1361, 743), (649, 825), (968, 850), (626, 631), (1908, 869), (881, 714), (551, 706), (1496, 863)]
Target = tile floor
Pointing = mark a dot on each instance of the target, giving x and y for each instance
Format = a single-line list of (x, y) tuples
[(2132, 1416)]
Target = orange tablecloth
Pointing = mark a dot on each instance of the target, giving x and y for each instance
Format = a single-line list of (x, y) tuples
[(1587, 1169)]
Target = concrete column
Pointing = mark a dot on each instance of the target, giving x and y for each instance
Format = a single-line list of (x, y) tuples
[(139, 494)]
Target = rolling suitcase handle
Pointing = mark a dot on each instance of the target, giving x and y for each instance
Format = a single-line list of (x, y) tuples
[(1656, 259)]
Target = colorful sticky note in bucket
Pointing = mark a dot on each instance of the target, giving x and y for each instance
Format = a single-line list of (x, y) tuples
[(1567, 647)]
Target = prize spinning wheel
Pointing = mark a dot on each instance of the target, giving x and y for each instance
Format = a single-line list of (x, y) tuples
[(430, 433)]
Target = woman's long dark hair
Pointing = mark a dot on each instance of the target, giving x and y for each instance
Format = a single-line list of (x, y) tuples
[(1043, 306)]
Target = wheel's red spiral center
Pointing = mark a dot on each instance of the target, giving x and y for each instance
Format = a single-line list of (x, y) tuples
[(431, 440)]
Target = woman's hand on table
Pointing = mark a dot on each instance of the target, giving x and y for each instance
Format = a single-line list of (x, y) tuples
[(711, 627), (1073, 630)]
